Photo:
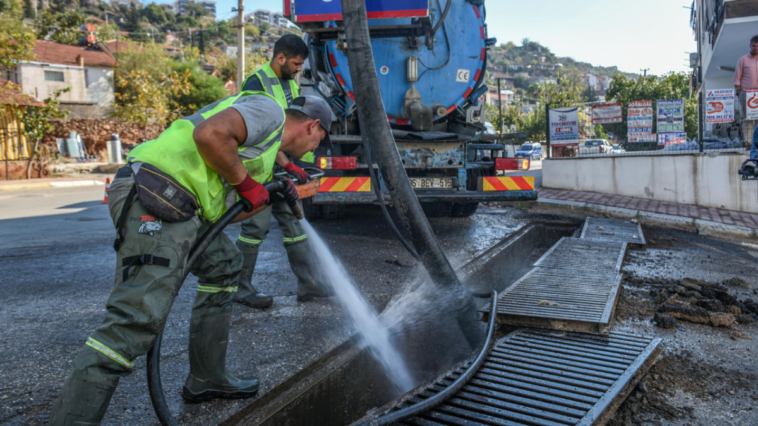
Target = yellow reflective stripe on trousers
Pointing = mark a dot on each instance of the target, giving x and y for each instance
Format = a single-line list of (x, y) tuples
[(110, 353), (296, 239), (250, 240), (207, 289)]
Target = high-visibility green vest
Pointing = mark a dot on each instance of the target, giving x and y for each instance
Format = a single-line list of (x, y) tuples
[(272, 85), (175, 153)]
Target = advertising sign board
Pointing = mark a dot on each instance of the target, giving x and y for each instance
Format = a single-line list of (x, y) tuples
[(607, 114), (719, 106), (671, 116), (564, 126), (752, 104), (639, 122), (322, 10), (671, 138)]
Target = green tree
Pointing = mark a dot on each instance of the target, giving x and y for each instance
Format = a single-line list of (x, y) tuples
[(521, 82), (16, 42), (196, 10), (59, 27), (105, 32), (133, 17), (36, 122), (590, 94), (651, 88), (204, 89), (154, 14)]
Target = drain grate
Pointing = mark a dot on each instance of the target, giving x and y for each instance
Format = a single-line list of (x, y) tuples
[(574, 287), (619, 230), (546, 378), (582, 254)]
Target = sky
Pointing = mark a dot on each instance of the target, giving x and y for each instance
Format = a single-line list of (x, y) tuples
[(632, 35)]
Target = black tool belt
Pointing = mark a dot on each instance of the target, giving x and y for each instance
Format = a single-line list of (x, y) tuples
[(162, 196)]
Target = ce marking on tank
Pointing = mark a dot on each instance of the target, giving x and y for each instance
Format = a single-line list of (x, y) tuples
[(463, 76)]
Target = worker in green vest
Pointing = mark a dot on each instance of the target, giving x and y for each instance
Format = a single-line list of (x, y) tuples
[(277, 78), (170, 193)]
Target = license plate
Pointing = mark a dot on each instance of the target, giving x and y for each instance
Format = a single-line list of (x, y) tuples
[(432, 183)]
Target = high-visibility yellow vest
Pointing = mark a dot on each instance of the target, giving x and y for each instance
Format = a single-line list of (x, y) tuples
[(272, 85), (176, 154)]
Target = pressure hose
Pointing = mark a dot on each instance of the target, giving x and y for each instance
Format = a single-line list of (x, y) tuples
[(155, 387)]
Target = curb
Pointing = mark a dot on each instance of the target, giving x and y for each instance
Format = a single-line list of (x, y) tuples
[(40, 185), (699, 226)]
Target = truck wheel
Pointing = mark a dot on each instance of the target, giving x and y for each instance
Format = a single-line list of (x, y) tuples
[(332, 211), (437, 209), (464, 209), (310, 210)]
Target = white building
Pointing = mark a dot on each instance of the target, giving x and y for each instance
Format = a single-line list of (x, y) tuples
[(275, 19), (722, 29), (179, 6), (88, 71)]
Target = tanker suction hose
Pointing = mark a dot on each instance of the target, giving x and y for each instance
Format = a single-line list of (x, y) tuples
[(157, 397), (376, 130)]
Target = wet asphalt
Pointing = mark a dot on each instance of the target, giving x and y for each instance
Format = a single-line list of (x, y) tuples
[(57, 261)]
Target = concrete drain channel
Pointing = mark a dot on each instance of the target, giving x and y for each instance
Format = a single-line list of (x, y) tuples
[(560, 364)]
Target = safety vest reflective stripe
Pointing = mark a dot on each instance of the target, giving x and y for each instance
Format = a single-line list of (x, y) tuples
[(272, 85), (207, 289), (250, 241), (296, 239), (110, 353)]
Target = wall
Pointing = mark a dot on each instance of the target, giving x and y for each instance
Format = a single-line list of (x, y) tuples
[(708, 180), (95, 132), (15, 170), (99, 82), (32, 80)]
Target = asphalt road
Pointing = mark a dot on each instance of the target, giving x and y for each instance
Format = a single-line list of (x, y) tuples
[(57, 265)]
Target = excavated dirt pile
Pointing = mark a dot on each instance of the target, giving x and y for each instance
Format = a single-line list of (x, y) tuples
[(700, 302)]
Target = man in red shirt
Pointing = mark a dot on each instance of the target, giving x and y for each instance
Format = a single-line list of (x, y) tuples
[(745, 78)]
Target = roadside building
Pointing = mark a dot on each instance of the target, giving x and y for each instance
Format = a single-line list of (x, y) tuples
[(722, 30), (493, 99), (13, 102), (275, 19), (87, 70)]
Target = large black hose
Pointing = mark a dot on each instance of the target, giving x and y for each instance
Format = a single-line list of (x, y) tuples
[(377, 130), (450, 391), (154, 385)]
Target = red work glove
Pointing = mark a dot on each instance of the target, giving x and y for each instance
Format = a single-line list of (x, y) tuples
[(252, 193), (289, 193), (300, 174)]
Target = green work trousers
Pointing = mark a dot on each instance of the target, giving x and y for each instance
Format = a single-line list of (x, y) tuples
[(254, 232), (140, 302)]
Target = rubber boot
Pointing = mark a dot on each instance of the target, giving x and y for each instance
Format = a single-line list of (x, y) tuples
[(305, 269), (84, 399), (247, 294), (208, 378)]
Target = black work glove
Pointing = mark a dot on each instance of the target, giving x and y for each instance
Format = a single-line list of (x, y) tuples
[(288, 193)]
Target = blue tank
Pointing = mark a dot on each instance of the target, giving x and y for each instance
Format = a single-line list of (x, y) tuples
[(447, 75)]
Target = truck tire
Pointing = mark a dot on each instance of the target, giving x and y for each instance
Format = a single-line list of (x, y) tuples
[(464, 209), (310, 210), (332, 211), (437, 209)]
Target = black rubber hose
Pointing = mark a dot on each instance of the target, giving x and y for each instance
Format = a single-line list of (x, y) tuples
[(154, 385), (376, 130), (458, 384), (380, 198)]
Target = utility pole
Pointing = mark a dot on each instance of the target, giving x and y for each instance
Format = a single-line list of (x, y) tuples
[(644, 71), (547, 127), (240, 43), (499, 104)]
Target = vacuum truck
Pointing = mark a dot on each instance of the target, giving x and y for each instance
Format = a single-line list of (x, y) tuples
[(431, 60)]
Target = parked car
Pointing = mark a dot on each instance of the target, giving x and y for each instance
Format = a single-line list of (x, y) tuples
[(532, 151), (618, 149), (596, 146)]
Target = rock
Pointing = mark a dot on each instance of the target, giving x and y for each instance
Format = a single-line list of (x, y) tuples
[(662, 297), (720, 319), (680, 290), (691, 284), (737, 282), (652, 242), (401, 262), (635, 221), (735, 310), (664, 320), (600, 228), (642, 386), (723, 295), (712, 305), (737, 335), (686, 312), (697, 295), (745, 319)]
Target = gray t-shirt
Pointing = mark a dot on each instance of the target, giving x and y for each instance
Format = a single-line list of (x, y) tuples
[(262, 116)]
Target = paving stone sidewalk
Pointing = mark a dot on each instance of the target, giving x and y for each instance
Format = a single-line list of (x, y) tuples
[(728, 217)]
